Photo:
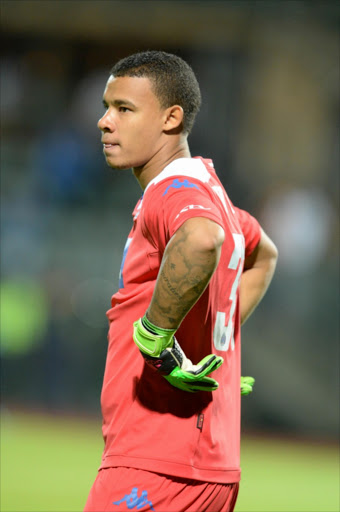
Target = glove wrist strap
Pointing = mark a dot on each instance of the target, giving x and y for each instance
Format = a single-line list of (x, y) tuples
[(150, 338), (157, 330)]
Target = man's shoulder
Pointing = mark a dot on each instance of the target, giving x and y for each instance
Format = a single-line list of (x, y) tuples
[(181, 170)]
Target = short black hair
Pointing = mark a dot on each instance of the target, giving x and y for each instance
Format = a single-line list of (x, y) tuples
[(173, 80)]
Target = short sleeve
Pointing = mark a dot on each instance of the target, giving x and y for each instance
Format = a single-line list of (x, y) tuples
[(251, 230), (173, 201)]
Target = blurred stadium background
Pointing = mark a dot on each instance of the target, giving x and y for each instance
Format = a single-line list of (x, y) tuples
[(269, 73)]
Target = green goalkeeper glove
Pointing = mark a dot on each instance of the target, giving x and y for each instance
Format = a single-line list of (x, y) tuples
[(247, 384), (162, 351)]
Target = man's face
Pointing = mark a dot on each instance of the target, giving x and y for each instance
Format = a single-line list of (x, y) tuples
[(132, 126)]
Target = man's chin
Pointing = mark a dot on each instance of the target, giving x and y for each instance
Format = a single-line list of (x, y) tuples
[(118, 166)]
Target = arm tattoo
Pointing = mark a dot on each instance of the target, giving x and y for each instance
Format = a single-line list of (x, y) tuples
[(184, 274)]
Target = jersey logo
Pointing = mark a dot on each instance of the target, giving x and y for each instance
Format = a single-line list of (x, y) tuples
[(134, 501), (179, 184)]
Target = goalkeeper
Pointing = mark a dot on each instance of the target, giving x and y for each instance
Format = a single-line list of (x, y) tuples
[(194, 268)]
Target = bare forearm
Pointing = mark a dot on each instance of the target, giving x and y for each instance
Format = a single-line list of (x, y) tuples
[(256, 278), (188, 263), (254, 284)]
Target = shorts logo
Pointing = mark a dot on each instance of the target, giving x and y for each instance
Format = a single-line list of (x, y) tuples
[(179, 184), (134, 501)]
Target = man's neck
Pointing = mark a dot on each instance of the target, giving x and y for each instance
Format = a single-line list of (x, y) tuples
[(150, 170)]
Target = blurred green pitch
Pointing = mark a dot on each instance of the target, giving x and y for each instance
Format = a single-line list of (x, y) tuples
[(48, 464)]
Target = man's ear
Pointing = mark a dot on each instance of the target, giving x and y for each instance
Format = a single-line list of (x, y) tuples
[(173, 118)]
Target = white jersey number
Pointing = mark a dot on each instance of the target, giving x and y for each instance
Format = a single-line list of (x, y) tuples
[(224, 327)]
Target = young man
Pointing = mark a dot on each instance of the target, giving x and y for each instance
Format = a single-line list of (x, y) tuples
[(194, 268)]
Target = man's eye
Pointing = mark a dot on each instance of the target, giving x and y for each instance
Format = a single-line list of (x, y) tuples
[(124, 109)]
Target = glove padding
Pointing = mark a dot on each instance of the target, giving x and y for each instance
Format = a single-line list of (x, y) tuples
[(247, 384), (162, 351)]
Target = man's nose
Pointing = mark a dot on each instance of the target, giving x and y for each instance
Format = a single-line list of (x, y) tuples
[(106, 123)]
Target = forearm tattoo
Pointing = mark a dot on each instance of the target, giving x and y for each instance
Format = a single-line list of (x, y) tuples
[(184, 274)]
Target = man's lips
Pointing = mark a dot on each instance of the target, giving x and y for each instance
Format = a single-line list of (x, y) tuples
[(107, 146)]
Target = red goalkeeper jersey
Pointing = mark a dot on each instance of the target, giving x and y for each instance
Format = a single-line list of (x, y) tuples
[(147, 423)]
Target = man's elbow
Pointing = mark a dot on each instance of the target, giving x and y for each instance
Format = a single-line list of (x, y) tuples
[(265, 256), (213, 238), (204, 235), (272, 255), (273, 252)]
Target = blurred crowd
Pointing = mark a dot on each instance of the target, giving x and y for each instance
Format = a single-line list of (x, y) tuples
[(269, 120)]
